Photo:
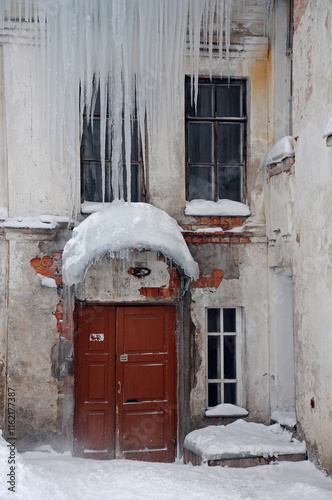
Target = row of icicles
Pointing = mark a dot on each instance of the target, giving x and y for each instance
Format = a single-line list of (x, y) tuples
[(134, 50)]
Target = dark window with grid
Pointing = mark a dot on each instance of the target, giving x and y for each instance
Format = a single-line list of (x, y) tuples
[(91, 169), (216, 140), (222, 346)]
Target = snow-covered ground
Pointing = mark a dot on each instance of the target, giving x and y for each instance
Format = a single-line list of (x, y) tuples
[(42, 475)]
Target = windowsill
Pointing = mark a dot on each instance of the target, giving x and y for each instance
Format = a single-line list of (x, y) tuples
[(224, 208), (89, 207)]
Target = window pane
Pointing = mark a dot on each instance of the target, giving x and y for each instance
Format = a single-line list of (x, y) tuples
[(230, 393), (229, 356), (230, 183), (230, 142), (200, 143), (91, 140), (214, 398), (213, 320), (204, 101), (135, 182), (200, 183), (93, 181), (214, 357), (229, 101), (229, 316)]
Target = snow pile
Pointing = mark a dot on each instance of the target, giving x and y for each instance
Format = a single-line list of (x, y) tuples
[(221, 208), (45, 474), (124, 226), (287, 418), (241, 439), (281, 150), (226, 410), (328, 130)]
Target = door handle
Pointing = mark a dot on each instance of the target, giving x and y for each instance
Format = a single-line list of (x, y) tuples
[(119, 389)]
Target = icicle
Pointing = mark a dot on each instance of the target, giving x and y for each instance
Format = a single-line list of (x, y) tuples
[(134, 52)]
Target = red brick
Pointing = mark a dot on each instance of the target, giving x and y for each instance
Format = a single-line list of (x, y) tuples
[(36, 262), (215, 239), (205, 220), (235, 239), (47, 271), (217, 273), (196, 240), (224, 239), (174, 273), (187, 239), (47, 261), (165, 292), (174, 283), (244, 240), (57, 255)]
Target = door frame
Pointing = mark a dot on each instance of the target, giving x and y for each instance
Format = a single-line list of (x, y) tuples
[(176, 340)]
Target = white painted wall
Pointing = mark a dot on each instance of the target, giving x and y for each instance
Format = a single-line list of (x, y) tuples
[(313, 226)]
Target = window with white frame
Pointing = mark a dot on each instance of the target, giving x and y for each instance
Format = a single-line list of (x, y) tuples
[(223, 355)]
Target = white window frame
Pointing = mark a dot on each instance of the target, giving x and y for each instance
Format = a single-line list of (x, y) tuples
[(239, 334)]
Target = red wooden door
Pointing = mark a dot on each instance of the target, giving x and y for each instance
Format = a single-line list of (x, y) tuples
[(125, 383)]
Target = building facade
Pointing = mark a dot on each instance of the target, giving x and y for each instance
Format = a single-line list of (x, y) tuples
[(125, 361)]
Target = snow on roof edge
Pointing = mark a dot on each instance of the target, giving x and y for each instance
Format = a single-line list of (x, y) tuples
[(121, 226), (282, 149)]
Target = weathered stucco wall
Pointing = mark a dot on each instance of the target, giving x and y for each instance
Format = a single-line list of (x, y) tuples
[(312, 220), (32, 332)]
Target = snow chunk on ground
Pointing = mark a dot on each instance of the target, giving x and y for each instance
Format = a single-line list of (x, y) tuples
[(328, 130), (284, 418), (122, 226), (221, 207), (226, 410), (241, 439), (46, 281), (281, 150)]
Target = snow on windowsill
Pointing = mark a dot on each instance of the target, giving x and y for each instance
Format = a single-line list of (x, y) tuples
[(122, 226), (39, 222), (226, 410), (240, 439), (281, 150), (90, 207), (287, 418), (219, 208)]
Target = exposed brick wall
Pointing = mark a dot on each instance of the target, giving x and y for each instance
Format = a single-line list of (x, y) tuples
[(51, 267), (225, 223), (212, 280)]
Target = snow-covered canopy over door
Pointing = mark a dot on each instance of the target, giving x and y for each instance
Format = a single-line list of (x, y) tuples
[(123, 226)]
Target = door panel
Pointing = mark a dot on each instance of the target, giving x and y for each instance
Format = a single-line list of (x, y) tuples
[(146, 424), (95, 381), (125, 404)]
